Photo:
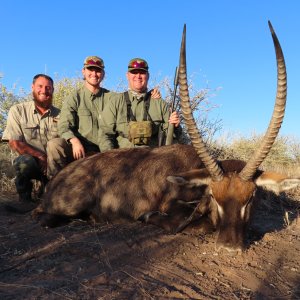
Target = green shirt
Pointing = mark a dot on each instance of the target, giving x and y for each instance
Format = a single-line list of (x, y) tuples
[(113, 121), (80, 116), (26, 124)]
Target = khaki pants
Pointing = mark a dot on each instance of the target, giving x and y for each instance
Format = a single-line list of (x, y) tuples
[(59, 154)]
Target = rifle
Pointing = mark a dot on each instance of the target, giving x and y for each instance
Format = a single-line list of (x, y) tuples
[(170, 132)]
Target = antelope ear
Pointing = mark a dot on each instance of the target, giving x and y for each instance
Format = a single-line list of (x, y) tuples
[(191, 178), (177, 180), (276, 182)]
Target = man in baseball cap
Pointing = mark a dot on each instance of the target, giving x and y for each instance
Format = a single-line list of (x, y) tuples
[(93, 61), (78, 124), (136, 108), (137, 64)]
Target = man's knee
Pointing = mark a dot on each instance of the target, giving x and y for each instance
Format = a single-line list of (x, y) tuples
[(25, 165), (59, 154), (56, 144), (58, 149)]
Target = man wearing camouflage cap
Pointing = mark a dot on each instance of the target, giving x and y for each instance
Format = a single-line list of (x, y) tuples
[(78, 125), (135, 117)]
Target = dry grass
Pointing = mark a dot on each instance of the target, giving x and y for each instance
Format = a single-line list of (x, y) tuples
[(283, 156), (6, 170)]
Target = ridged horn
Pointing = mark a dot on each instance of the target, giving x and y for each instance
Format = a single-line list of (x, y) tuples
[(200, 147), (277, 117)]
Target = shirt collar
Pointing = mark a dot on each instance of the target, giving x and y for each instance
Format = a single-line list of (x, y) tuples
[(137, 95), (92, 95), (49, 111)]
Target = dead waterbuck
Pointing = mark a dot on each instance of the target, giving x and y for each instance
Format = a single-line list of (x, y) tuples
[(172, 185)]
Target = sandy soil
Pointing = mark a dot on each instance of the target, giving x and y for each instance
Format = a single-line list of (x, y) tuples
[(138, 261)]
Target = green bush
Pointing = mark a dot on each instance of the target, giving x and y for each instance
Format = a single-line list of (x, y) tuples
[(7, 99), (63, 87)]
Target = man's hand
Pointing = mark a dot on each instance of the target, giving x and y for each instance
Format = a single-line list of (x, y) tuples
[(174, 118), (77, 148), (155, 94)]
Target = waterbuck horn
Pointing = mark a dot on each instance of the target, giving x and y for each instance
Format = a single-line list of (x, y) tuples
[(277, 117), (200, 147)]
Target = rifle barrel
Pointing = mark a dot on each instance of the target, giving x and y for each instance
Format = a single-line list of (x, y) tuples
[(169, 138)]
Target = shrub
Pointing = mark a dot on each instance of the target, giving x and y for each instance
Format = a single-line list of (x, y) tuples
[(284, 152)]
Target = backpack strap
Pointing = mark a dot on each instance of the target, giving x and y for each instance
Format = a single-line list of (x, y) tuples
[(130, 116), (146, 106)]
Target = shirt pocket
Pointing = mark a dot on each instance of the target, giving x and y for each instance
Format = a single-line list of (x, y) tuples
[(53, 132), (30, 131), (85, 125)]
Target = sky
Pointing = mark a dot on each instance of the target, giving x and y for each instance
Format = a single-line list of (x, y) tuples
[(229, 49)]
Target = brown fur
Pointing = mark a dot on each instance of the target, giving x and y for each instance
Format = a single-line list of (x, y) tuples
[(120, 183), (132, 184)]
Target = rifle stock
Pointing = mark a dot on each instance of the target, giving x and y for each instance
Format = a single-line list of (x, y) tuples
[(170, 132)]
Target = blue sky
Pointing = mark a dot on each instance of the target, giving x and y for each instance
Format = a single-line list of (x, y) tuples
[(228, 46)]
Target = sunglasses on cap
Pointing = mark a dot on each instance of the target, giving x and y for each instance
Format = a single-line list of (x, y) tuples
[(138, 64), (91, 62)]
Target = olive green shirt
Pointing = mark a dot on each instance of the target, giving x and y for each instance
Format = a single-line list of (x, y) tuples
[(26, 124), (114, 121), (80, 116)]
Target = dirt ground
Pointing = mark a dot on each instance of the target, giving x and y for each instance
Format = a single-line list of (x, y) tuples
[(139, 261)]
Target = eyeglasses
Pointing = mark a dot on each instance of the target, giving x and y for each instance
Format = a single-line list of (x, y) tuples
[(138, 64), (94, 63)]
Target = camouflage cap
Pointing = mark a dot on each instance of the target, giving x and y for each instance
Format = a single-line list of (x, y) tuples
[(137, 64), (94, 61)]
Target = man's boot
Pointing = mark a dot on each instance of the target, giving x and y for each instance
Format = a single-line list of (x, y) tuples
[(24, 188), (25, 197)]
